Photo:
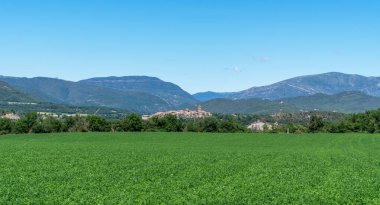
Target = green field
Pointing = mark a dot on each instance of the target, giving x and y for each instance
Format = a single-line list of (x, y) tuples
[(189, 168)]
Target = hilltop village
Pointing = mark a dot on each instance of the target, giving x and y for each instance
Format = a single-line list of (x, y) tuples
[(182, 114)]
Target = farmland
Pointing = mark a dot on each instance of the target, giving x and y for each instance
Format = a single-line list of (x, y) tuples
[(192, 168)]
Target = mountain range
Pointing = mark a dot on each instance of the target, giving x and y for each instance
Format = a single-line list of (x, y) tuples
[(135, 93), (326, 92), (172, 94), (345, 102), (327, 83)]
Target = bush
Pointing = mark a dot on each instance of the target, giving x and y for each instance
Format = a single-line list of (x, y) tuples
[(192, 126), (52, 124), (132, 123), (5, 126), (98, 124), (172, 123), (316, 124), (75, 124), (231, 126), (26, 123), (168, 123), (209, 124)]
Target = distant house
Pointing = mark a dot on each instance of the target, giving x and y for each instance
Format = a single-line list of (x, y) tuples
[(260, 126), (11, 116)]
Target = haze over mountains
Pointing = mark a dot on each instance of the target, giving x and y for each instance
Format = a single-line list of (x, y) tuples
[(326, 92)]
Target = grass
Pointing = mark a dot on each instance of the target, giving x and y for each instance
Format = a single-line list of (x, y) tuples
[(189, 168)]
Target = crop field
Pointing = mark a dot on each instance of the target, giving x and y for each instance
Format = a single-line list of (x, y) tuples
[(189, 168)]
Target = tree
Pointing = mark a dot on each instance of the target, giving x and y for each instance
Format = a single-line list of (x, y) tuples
[(168, 123), (51, 124), (316, 124), (192, 126), (209, 124), (76, 124), (231, 125), (5, 126), (98, 124), (26, 123), (132, 123), (38, 127), (152, 124), (172, 123)]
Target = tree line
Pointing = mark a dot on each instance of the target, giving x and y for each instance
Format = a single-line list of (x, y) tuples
[(368, 122), (33, 123)]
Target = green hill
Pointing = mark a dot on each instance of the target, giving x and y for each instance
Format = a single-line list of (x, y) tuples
[(59, 109), (247, 106), (169, 92), (9, 94), (73, 93), (345, 102), (326, 83)]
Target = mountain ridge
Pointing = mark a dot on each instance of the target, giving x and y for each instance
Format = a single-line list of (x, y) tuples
[(78, 93), (9, 94), (169, 92), (345, 102), (145, 94), (326, 83)]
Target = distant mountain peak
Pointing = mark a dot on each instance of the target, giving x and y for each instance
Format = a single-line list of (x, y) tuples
[(169, 92)]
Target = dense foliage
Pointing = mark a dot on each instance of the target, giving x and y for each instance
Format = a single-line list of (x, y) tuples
[(313, 122), (362, 122), (33, 123)]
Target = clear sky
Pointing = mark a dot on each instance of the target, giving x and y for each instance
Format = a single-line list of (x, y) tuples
[(218, 45)]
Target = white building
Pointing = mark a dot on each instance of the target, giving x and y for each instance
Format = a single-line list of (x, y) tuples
[(11, 116), (189, 114), (260, 126)]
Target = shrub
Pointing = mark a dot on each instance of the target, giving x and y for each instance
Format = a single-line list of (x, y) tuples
[(5, 126), (98, 124), (132, 122)]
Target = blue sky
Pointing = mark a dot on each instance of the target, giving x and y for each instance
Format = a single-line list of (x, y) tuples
[(198, 44)]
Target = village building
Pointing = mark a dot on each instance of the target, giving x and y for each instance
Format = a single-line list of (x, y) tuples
[(11, 116), (260, 126), (184, 114)]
